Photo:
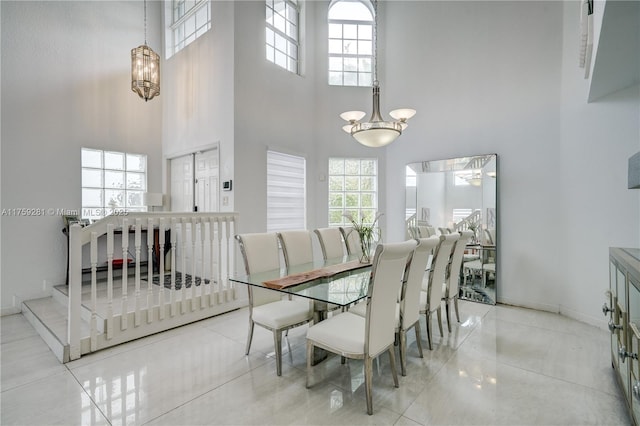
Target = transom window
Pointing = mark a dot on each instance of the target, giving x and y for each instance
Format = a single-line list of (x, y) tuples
[(112, 182), (351, 43), (186, 21), (282, 33), (353, 189)]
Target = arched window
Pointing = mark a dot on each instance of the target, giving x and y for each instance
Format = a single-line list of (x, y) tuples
[(351, 42)]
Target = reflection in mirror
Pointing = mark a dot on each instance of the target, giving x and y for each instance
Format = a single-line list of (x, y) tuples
[(445, 196)]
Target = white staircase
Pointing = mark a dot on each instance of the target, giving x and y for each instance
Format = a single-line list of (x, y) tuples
[(90, 314)]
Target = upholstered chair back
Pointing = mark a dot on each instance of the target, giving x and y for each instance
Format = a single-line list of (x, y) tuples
[(297, 247), (260, 253), (387, 273)]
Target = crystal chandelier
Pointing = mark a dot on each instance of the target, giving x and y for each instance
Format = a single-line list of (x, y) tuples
[(376, 132), (145, 68)]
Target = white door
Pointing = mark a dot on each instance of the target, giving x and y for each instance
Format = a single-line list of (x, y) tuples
[(194, 187), (207, 177), (182, 184)]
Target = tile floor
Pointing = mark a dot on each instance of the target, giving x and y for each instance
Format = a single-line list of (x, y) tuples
[(500, 366)]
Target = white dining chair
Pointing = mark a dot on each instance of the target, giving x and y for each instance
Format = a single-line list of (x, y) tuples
[(408, 304), (426, 231), (431, 296), (409, 312), (450, 288), (330, 242), (356, 337), (266, 307), (297, 247), (352, 240)]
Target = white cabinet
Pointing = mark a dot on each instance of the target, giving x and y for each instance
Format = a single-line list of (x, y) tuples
[(623, 309)]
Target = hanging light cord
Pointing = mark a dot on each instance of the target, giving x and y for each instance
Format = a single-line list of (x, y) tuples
[(145, 22)]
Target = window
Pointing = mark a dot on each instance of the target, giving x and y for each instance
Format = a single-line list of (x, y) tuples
[(111, 182), (186, 21), (286, 192), (282, 33), (351, 43), (353, 188)]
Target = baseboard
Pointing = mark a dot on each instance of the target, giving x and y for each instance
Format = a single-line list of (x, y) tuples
[(596, 321), (537, 306), (10, 310), (599, 321)]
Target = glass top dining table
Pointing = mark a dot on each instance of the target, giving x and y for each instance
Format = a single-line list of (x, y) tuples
[(341, 288)]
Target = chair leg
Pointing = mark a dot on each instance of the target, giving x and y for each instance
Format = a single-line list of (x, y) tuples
[(448, 312), (416, 326), (249, 337), (440, 320), (403, 352), (277, 341), (309, 362), (455, 303), (428, 315), (392, 363), (368, 376)]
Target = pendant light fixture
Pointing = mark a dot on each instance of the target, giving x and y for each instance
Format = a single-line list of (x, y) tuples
[(376, 132), (145, 68)]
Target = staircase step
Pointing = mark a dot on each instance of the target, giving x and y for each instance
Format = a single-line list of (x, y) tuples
[(49, 318), (61, 295)]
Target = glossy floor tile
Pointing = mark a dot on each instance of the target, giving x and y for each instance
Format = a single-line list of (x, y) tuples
[(500, 365)]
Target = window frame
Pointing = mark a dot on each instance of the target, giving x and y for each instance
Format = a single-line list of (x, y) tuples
[(292, 62), (357, 57), (368, 211), (175, 41), (103, 208)]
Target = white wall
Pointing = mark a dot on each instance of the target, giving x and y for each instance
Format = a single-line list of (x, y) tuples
[(485, 78), (198, 96), (495, 77), (273, 109), (66, 84), (597, 140)]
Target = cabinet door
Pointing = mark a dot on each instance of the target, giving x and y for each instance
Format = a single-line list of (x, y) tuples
[(634, 346), (620, 331), (610, 309), (621, 287)]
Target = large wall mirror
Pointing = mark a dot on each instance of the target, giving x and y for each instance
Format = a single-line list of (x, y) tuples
[(445, 196)]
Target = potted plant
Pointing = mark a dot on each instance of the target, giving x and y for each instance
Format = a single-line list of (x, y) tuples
[(367, 233)]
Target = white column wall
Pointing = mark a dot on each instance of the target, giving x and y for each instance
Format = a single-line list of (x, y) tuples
[(273, 109), (198, 97)]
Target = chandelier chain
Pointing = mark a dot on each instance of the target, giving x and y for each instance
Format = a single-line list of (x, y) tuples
[(375, 41)]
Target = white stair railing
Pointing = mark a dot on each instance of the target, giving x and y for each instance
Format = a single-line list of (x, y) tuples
[(201, 251), (473, 219), (409, 225)]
